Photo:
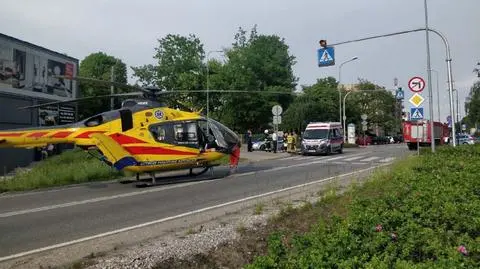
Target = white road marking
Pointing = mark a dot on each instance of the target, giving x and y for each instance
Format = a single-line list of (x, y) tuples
[(94, 200), (387, 160), (370, 159), (347, 163), (318, 160), (18, 255), (130, 194), (353, 158)]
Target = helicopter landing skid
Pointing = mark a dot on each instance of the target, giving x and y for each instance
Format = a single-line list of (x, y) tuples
[(157, 181)]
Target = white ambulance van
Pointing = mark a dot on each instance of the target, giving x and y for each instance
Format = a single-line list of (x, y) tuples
[(322, 138)]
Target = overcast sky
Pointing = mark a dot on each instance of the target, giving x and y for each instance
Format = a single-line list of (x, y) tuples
[(129, 30)]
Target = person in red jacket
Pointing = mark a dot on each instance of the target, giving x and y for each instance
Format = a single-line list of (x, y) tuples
[(234, 158)]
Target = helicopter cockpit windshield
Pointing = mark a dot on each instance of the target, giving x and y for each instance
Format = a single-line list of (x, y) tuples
[(194, 134), (224, 136)]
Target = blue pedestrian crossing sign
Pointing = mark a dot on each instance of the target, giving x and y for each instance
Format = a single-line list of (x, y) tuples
[(399, 94), (416, 113), (326, 56)]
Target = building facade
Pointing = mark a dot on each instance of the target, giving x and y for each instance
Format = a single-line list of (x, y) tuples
[(30, 75)]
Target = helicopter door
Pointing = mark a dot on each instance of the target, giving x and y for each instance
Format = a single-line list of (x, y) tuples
[(127, 119)]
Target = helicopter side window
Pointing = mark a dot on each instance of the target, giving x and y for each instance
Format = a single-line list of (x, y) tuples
[(94, 121), (186, 134), (162, 133)]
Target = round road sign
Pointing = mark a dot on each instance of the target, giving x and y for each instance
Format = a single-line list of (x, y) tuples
[(416, 84), (364, 116), (277, 110)]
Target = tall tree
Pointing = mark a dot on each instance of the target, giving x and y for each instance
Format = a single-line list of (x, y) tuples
[(98, 66), (179, 67), (374, 101), (318, 102), (260, 64), (473, 106)]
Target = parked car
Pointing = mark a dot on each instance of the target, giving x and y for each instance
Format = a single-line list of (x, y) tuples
[(465, 139), (364, 140), (258, 145)]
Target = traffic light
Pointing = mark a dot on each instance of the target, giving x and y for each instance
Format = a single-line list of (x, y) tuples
[(323, 43)]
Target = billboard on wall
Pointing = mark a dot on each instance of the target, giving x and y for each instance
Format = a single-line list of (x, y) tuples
[(29, 68)]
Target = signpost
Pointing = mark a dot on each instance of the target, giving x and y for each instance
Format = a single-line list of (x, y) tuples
[(277, 110), (326, 56), (399, 93), (416, 113), (416, 84), (364, 118), (277, 118), (416, 100)]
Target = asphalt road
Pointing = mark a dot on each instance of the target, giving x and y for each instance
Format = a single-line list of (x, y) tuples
[(33, 220)]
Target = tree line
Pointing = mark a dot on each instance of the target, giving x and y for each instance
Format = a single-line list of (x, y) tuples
[(258, 63)]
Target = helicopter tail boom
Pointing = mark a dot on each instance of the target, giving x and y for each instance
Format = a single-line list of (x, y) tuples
[(33, 138)]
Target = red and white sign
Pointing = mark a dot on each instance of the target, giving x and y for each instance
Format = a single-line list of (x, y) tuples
[(416, 84), (69, 70)]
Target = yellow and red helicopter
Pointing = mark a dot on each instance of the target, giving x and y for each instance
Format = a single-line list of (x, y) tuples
[(143, 136)]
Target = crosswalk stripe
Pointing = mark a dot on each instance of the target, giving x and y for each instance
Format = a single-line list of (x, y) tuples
[(370, 159), (389, 159), (354, 158)]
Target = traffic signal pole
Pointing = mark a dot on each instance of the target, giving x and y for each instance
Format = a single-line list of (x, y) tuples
[(448, 60)]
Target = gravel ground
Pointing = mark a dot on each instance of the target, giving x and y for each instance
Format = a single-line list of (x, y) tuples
[(208, 238)]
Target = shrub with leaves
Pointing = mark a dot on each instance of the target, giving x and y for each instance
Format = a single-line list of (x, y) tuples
[(425, 213)]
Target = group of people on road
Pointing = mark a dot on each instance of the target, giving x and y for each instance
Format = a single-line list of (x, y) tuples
[(288, 141)]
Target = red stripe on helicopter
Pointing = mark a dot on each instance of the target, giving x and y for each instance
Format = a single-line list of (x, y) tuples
[(156, 151), (10, 134), (125, 139), (87, 134), (61, 134), (37, 134)]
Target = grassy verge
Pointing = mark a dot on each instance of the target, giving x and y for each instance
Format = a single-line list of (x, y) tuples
[(70, 167), (424, 213)]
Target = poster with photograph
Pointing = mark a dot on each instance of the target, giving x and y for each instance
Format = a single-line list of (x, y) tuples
[(56, 115), (12, 67), (36, 70)]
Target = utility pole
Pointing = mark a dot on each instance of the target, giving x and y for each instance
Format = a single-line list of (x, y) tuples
[(448, 60), (429, 79), (458, 107), (111, 86)]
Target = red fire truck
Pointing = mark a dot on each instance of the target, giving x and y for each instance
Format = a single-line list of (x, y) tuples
[(418, 133)]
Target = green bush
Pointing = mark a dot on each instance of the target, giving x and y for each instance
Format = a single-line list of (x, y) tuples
[(416, 216)]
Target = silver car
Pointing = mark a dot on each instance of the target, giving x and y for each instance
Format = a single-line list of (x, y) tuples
[(465, 139)]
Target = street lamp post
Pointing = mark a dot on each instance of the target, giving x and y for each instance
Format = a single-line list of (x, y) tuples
[(208, 88), (438, 95), (340, 90), (429, 75)]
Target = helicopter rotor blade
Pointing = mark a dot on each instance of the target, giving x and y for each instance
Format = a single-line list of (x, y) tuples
[(82, 99), (104, 82)]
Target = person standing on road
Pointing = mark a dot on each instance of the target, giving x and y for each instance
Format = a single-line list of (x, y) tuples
[(295, 141), (289, 142), (274, 141), (249, 141)]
